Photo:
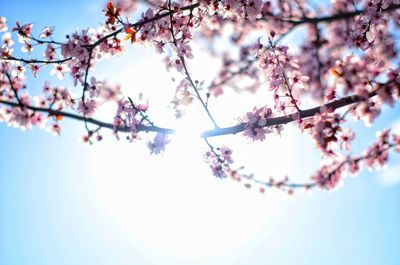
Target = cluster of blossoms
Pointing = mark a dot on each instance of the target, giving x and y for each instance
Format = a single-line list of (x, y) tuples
[(256, 124), (21, 118), (161, 30), (371, 20), (22, 114), (158, 144), (326, 131), (329, 175), (321, 68), (314, 63), (378, 153), (169, 30), (127, 117), (126, 6), (79, 47), (219, 160), (283, 75), (376, 156), (56, 97), (396, 142), (246, 9), (99, 92), (373, 28), (25, 118), (355, 73), (368, 110), (242, 69)]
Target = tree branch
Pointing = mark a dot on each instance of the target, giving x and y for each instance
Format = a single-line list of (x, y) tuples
[(334, 105), (11, 58), (51, 112), (332, 18)]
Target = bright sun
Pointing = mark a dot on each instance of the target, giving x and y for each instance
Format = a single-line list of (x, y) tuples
[(171, 204)]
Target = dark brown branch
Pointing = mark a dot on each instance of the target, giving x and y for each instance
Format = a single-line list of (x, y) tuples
[(192, 83), (332, 18), (308, 185), (143, 22), (44, 41), (20, 103), (51, 112), (304, 20), (334, 105), (28, 61)]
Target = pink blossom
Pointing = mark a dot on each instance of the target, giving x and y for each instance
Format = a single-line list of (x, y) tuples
[(110, 92), (3, 25), (378, 153), (184, 50), (368, 111), (55, 129), (24, 30), (47, 88), (50, 52), (177, 64), (256, 122), (158, 144), (88, 107), (27, 47), (59, 70), (324, 129), (7, 40), (396, 142), (126, 117), (38, 119), (219, 160), (226, 154), (18, 71), (329, 175), (35, 69), (345, 139), (127, 6), (46, 32)]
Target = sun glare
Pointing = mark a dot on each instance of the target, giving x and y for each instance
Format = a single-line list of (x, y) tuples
[(171, 204)]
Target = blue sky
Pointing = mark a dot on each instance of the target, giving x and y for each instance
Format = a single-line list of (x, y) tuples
[(63, 202)]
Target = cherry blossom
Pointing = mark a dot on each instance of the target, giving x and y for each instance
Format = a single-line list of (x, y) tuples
[(55, 129), (346, 138), (27, 47), (50, 52), (46, 32), (255, 123), (158, 144), (219, 160), (329, 176), (88, 107), (3, 25), (377, 154), (59, 71), (23, 30), (35, 69)]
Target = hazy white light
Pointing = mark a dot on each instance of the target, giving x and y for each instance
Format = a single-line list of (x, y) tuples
[(171, 204)]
